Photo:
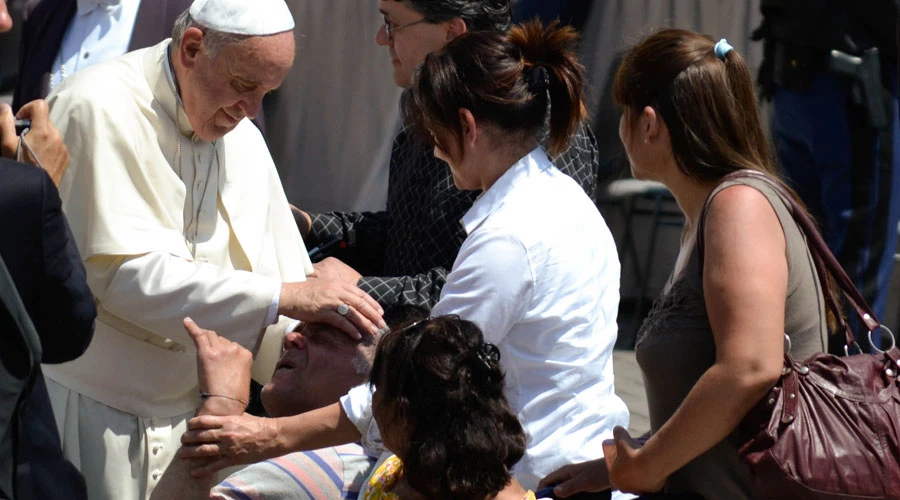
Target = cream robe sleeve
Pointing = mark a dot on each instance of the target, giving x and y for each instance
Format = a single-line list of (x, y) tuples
[(157, 290)]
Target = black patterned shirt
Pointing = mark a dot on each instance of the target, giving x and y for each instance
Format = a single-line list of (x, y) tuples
[(406, 251)]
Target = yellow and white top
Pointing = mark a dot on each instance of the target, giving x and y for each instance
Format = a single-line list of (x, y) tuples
[(386, 476)]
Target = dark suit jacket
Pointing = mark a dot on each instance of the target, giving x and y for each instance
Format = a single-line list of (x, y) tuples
[(47, 273), (46, 22)]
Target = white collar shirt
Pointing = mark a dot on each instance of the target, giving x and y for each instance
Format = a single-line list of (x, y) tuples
[(539, 274), (100, 30)]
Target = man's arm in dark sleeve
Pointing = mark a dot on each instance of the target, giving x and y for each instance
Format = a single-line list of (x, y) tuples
[(65, 318), (582, 160), (363, 236), (421, 290)]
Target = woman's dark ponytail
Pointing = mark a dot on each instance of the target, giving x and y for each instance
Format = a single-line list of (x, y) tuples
[(550, 63), (504, 79)]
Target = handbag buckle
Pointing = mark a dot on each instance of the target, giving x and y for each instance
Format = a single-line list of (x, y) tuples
[(889, 332)]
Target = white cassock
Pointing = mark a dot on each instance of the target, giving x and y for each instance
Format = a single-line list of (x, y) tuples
[(210, 237)]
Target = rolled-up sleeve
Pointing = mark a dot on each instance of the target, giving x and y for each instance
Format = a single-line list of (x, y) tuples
[(357, 405)]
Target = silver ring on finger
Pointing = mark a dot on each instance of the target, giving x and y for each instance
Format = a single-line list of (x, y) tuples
[(343, 309)]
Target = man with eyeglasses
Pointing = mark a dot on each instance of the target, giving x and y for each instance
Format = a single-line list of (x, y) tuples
[(402, 255)]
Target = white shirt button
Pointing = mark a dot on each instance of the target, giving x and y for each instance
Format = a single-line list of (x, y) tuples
[(156, 450), (156, 475)]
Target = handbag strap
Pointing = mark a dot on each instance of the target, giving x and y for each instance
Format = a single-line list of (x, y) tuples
[(824, 260)]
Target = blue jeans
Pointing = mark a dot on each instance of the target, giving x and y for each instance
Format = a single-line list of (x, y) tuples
[(848, 174)]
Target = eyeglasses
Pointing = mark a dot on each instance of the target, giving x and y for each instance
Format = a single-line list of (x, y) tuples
[(390, 29)]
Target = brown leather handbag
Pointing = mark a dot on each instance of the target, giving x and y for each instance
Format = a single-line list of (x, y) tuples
[(830, 428)]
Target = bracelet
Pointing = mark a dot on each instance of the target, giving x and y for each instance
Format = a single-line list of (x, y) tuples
[(23, 144), (206, 395)]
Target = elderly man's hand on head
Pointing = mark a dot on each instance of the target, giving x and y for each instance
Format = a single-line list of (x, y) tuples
[(6, 23), (333, 269), (338, 303), (223, 371), (45, 144)]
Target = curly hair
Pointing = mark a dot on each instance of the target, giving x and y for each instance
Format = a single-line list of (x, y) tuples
[(479, 15), (440, 376)]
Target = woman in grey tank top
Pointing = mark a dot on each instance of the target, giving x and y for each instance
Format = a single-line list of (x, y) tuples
[(713, 344)]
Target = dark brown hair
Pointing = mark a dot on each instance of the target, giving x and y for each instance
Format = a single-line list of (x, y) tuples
[(708, 104), (440, 377), (479, 15), (505, 80)]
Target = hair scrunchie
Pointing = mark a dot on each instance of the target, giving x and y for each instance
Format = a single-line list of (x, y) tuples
[(722, 48), (538, 79)]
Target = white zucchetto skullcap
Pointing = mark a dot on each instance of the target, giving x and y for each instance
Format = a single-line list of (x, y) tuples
[(243, 17)]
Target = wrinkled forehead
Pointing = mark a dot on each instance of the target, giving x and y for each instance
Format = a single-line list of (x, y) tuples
[(265, 56)]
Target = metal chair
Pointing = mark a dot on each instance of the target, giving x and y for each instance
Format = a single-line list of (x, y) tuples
[(636, 198)]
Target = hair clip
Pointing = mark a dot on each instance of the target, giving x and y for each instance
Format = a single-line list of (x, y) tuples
[(488, 354), (722, 48), (406, 329), (538, 79)]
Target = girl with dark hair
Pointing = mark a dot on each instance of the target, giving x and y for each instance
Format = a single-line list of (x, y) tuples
[(440, 407), (713, 345)]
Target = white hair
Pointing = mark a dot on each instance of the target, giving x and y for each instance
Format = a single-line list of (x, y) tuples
[(213, 40), (365, 354)]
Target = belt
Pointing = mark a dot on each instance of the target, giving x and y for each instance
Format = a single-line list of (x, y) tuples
[(134, 331)]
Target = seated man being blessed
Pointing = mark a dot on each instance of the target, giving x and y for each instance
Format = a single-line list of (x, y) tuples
[(317, 366)]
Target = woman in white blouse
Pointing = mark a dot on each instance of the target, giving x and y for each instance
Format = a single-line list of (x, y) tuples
[(538, 271)]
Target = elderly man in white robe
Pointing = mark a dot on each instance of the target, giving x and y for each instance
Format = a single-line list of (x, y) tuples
[(177, 210)]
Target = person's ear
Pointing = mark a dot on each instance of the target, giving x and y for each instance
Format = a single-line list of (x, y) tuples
[(456, 27), (191, 44), (6, 22), (469, 127), (650, 124), (405, 418)]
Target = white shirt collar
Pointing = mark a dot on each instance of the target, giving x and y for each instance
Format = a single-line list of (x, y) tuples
[(531, 164), (85, 7)]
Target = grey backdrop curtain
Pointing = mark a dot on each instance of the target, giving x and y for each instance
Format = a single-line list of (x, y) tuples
[(330, 125), (614, 25)]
